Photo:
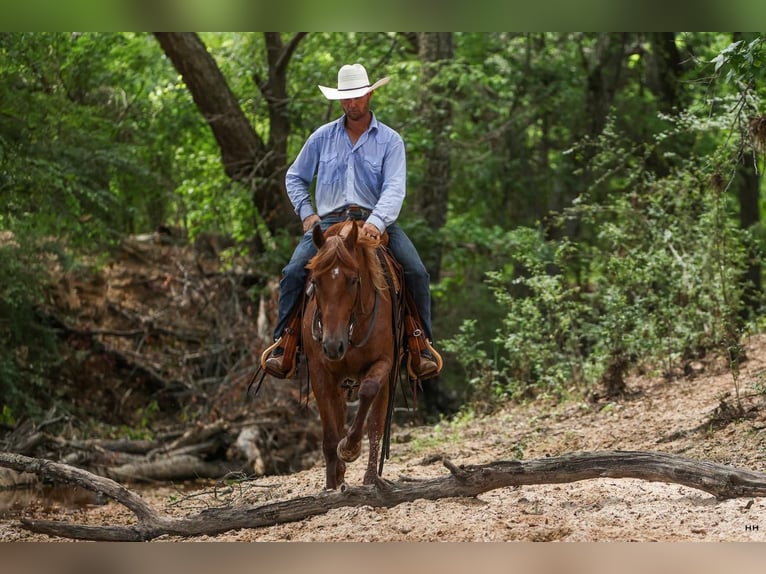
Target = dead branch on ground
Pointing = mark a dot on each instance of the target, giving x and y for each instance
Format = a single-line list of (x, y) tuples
[(463, 481)]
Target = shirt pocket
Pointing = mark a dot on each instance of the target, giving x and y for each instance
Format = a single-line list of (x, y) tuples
[(328, 171), (373, 170)]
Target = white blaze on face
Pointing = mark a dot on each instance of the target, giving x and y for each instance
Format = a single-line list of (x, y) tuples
[(335, 273)]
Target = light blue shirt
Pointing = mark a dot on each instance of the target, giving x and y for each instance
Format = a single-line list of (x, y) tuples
[(372, 173)]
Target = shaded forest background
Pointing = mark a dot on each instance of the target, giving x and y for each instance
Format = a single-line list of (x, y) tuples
[(587, 204)]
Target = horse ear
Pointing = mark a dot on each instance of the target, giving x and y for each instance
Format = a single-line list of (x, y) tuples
[(353, 234), (317, 236)]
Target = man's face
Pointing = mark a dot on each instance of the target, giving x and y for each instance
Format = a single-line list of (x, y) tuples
[(357, 108)]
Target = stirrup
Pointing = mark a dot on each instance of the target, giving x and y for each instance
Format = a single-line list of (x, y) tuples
[(280, 374), (429, 374)]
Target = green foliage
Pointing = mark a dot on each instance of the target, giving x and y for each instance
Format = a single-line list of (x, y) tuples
[(743, 61), (464, 306), (149, 413), (653, 278), (209, 201), (539, 337), (6, 416), (480, 373), (27, 347), (569, 252), (90, 131)]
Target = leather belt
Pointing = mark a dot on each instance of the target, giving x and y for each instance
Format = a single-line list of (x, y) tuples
[(351, 212)]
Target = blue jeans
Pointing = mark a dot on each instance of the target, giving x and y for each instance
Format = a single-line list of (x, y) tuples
[(416, 278)]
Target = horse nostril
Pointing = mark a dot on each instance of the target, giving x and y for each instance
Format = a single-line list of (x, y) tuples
[(334, 349)]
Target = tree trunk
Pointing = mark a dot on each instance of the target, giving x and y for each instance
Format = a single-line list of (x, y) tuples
[(431, 197), (274, 90), (464, 481), (241, 147), (664, 70), (748, 186), (246, 158), (663, 78), (436, 49), (603, 68), (748, 193)]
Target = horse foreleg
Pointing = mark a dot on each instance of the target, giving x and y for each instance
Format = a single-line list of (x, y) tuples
[(332, 413), (335, 469), (350, 446), (376, 422)]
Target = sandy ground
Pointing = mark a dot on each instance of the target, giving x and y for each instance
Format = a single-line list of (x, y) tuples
[(673, 416)]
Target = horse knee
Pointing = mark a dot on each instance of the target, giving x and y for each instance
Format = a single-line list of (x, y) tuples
[(369, 389)]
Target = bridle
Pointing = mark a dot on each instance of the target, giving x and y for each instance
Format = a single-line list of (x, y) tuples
[(316, 321)]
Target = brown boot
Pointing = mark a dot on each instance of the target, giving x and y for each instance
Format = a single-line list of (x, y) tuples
[(427, 365), (276, 362), (279, 360), (424, 361), (424, 365)]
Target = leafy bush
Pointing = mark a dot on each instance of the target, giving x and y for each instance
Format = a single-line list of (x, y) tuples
[(27, 347), (649, 272)]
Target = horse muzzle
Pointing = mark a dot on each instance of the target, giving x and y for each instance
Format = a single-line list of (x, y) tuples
[(334, 348)]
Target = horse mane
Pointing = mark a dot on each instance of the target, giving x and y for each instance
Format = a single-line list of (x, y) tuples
[(335, 253), (369, 248)]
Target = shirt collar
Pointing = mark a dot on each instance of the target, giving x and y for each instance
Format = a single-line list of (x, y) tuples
[(373, 122)]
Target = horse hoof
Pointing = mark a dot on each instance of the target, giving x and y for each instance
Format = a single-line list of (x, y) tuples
[(348, 454)]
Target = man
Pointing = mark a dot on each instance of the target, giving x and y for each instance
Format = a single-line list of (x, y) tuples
[(360, 169)]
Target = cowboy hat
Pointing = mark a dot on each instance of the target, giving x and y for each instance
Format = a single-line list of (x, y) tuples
[(352, 83)]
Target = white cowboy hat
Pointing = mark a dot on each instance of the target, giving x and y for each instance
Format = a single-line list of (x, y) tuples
[(352, 83)]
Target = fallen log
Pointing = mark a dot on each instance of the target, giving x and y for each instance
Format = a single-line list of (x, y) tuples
[(275, 443), (463, 481), (174, 467)]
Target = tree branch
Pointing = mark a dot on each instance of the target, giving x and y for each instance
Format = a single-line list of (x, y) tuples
[(289, 49), (463, 481)]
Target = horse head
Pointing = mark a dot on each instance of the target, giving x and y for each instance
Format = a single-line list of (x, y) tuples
[(335, 284)]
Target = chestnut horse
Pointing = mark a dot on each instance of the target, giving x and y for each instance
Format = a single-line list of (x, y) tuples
[(351, 348)]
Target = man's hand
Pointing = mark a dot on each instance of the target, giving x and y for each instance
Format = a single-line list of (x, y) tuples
[(310, 222), (371, 231)]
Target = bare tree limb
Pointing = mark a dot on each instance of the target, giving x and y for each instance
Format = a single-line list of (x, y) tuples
[(463, 481), (84, 479), (240, 145), (289, 50), (246, 156)]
